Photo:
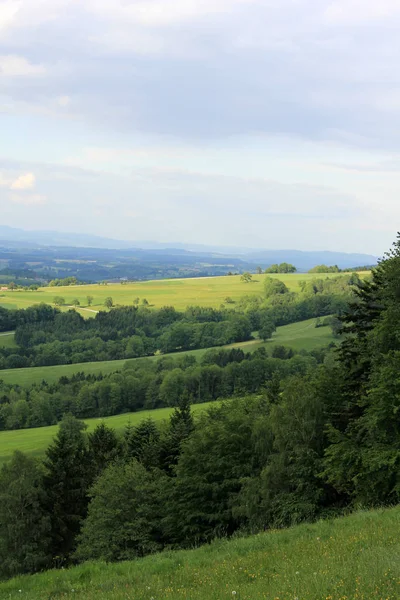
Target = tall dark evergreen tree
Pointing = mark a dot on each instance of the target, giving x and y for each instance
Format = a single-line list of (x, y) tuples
[(180, 427), (67, 479), (24, 523)]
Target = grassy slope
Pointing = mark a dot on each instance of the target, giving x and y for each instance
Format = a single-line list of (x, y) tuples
[(7, 340), (208, 291), (351, 558), (35, 441), (302, 335)]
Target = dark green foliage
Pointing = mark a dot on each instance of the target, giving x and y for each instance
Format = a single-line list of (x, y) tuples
[(104, 448), (67, 480), (125, 514), (24, 524), (180, 427), (143, 443)]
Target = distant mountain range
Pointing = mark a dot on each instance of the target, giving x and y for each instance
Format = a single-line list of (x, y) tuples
[(304, 260)]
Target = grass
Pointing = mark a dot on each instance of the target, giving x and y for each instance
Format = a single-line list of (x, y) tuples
[(180, 293), (302, 335), (350, 558), (35, 441), (7, 340)]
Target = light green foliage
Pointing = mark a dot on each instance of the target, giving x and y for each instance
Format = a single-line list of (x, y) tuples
[(246, 277), (58, 301), (273, 287), (124, 514), (108, 302)]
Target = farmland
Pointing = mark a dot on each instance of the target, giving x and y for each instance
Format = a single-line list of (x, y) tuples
[(302, 335), (180, 293), (35, 441), (353, 557)]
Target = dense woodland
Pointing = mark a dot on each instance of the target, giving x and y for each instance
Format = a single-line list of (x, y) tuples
[(46, 336), (319, 436)]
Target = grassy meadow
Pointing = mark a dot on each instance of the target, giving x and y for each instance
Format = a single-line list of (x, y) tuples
[(349, 558), (180, 293), (35, 441), (7, 340), (301, 335)]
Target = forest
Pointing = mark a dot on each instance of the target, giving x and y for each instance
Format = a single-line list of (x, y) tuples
[(307, 437)]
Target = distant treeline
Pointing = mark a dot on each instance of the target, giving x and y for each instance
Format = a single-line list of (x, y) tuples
[(150, 384)]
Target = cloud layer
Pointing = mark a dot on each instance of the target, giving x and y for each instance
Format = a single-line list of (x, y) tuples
[(159, 96)]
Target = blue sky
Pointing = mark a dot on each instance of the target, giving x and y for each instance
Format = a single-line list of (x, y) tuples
[(246, 122)]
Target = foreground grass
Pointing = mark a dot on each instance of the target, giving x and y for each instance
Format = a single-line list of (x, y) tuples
[(351, 558), (180, 293), (299, 336), (35, 441)]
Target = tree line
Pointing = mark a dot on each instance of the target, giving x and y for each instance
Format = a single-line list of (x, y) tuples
[(148, 384)]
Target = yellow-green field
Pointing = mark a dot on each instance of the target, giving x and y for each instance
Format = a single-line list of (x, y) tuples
[(350, 558), (35, 441), (299, 336), (180, 293)]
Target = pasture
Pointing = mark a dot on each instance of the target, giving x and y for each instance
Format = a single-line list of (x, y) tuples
[(7, 340), (180, 293), (35, 441), (299, 336), (349, 558)]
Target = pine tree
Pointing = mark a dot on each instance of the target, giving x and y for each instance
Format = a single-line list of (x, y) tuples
[(142, 443), (104, 448), (67, 479), (24, 524), (180, 427)]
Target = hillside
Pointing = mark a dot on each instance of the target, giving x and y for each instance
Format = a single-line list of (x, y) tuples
[(351, 558), (299, 336), (180, 293)]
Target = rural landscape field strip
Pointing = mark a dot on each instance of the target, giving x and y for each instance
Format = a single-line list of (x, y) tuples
[(349, 558), (35, 441), (180, 293), (299, 336)]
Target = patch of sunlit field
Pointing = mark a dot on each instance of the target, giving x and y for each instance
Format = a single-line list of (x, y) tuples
[(180, 293), (349, 558)]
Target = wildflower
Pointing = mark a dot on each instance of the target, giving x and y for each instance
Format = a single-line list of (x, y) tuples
[(233, 593)]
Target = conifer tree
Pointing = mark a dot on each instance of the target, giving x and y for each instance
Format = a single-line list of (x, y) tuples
[(24, 524), (67, 479)]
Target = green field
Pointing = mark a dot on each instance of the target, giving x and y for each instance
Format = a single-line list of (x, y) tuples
[(7, 340), (180, 293), (350, 558), (302, 335), (35, 441)]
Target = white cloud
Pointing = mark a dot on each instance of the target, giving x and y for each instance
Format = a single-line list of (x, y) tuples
[(24, 182), (18, 66), (353, 12), (63, 101), (28, 199)]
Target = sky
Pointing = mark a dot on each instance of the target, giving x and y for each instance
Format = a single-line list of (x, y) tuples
[(258, 123)]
